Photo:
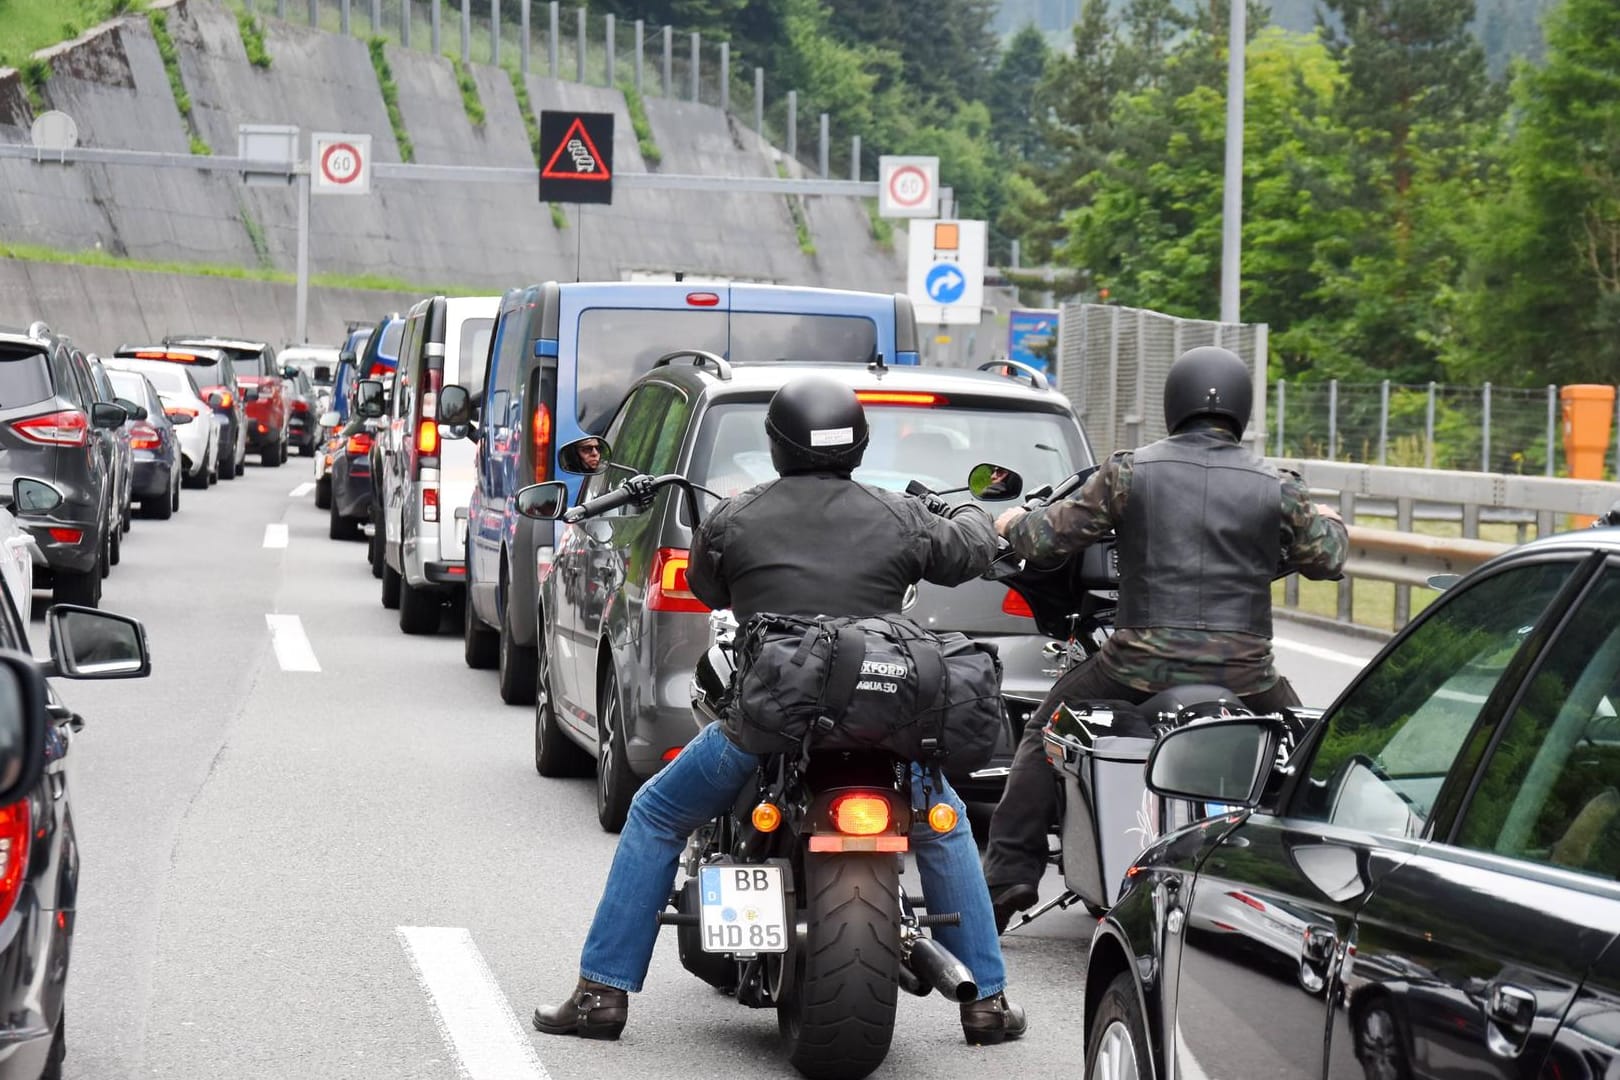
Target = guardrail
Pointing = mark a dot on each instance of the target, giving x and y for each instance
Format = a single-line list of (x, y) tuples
[(1406, 559)]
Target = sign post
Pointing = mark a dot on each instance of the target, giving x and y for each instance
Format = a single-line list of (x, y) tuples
[(945, 271), (908, 187), (577, 149)]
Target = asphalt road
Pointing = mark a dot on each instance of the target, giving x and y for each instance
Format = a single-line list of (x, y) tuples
[(261, 847)]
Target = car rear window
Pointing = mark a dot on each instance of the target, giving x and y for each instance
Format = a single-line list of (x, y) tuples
[(25, 377), (389, 346), (472, 356), (937, 445), (127, 385), (166, 378), (616, 345), (250, 366)]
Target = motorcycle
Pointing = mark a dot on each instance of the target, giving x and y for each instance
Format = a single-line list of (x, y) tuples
[(792, 900)]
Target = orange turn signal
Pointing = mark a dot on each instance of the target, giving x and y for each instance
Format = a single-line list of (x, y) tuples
[(767, 818), (942, 817)]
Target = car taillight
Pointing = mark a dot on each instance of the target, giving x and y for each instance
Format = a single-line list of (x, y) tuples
[(668, 589), (13, 853), (300, 405), (541, 434), (427, 438), (1014, 604), (359, 443), (430, 504), (379, 371), (144, 436), (860, 814), (69, 427)]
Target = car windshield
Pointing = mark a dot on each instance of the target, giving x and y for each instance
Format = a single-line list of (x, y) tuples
[(25, 378), (937, 446)]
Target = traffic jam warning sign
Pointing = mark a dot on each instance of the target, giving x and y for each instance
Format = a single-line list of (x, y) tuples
[(342, 164), (577, 149), (908, 187)]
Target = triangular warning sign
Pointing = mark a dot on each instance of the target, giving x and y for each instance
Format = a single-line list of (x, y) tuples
[(576, 157)]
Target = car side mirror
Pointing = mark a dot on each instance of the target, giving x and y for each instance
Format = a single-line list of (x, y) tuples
[(30, 496), (24, 721), (179, 418), (91, 644), (136, 412), (250, 393), (455, 405), (543, 502), (289, 372), (588, 456), (330, 418), (216, 400), (992, 482), (368, 397), (104, 414), (1222, 761)]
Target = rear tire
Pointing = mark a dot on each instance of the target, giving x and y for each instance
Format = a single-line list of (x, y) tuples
[(516, 662), (838, 1019), (341, 528), (82, 587), (162, 507), (227, 466), (615, 783), (419, 609), (391, 581), (1119, 1043), (374, 548), (115, 546), (480, 646), (555, 754), (323, 493)]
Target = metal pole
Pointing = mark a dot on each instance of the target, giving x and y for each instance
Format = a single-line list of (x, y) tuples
[(696, 58), (641, 50), (436, 27), (855, 174), (1015, 256), (343, 17), (405, 23), (281, 9), (495, 32), (1232, 208), (524, 18), (669, 61), (1383, 423), (725, 76), (551, 39), (1282, 412), (376, 16), (823, 144), (580, 47), (314, 13), (1333, 419), (793, 124), (1428, 441), (759, 101), (301, 289), (1552, 432), (466, 31), (609, 32), (1485, 430)]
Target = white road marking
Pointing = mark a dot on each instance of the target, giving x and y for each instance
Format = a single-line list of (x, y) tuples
[(473, 1015), (301, 490), (293, 650), (1320, 653), (275, 535)]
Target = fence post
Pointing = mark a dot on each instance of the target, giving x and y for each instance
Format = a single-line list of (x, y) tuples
[(1347, 600), (759, 102), (343, 17), (793, 124), (823, 144), (495, 32), (725, 76), (376, 16), (466, 31), (1383, 423), (1333, 419), (641, 48), (669, 61), (1552, 431), (697, 43), (1113, 380), (314, 13), (1428, 440), (281, 9), (581, 48), (1403, 593), (609, 33), (1485, 430), (554, 32), (524, 16), (1282, 412), (405, 23), (435, 26), (855, 174)]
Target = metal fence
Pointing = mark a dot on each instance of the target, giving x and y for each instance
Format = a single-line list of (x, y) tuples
[(1112, 362)]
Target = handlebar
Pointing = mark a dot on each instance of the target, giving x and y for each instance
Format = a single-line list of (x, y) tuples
[(639, 488)]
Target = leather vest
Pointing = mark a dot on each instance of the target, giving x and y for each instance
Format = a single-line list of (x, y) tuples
[(1201, 537)]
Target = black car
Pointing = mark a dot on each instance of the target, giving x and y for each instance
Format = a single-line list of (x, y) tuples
[(1428, 887), (50, 420), (116, 444), (155, 469), (215, 373)]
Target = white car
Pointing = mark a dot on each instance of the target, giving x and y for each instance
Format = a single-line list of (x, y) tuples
[(177, 389), (18, 552)]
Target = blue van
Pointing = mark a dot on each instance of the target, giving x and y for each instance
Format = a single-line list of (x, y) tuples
[(562, 358)]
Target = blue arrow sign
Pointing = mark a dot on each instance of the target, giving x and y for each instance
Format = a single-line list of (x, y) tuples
[(945, 283)]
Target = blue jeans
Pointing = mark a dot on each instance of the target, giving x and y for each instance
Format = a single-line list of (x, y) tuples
[(702, 783)]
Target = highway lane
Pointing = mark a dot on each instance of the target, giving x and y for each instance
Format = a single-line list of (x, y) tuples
[(254, 839)]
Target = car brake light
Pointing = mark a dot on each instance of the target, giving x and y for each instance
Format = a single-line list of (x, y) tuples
[(13, 853), (180, 357), (541, 434), (300, 405), (898, 397), (66, 428), (668, 590), (860, 814), (66, 536), (1015, 605), (378, 371), (359, 443), (427, 438), (703, 299), (144, 437), (430, 504)]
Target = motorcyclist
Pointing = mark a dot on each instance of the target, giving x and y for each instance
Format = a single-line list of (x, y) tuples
[(812, 542), (1200, 524)]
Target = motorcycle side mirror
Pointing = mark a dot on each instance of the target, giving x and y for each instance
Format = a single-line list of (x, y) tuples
[(588, 455), (543, 502), (455, 405), (992, 482)]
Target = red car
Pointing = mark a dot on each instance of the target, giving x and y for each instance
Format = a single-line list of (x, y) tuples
[(264, 399)]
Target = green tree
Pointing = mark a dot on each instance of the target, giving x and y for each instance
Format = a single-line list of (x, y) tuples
[(1011, 96), (946, 47)]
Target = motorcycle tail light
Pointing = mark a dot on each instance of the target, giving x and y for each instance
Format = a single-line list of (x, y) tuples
[(860, 815)]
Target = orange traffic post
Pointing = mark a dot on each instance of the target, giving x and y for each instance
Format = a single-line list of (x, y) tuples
[(1588, 416)]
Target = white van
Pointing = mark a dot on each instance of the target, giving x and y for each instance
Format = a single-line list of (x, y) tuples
[(424, 472)]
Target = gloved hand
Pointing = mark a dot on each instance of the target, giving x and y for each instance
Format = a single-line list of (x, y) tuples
[(936, 505)]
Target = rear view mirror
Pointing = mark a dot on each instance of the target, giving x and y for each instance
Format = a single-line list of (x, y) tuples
[(136, 412), (587, 455), (543, 502), (330, 418), (250, 393), (990, 482), (1224, 761), (368, 397), (91, 644), (455, 405), (104, 414), (30, 496), (23, 724)]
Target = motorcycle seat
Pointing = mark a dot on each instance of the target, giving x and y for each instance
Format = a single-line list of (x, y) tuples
[(1176, 698)]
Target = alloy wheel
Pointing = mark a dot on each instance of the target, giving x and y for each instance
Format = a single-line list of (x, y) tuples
[(1380, 1050), (607, 729), (1116, 1054)]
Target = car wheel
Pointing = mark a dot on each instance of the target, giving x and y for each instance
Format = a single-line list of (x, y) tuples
[(110, 549), (323, 493), (162, 507), (555, 754), (615, 783), (419, 609), (174, 499), (58, 1051), (213, 470), (516, 663), (1119, 1046), (126, 519), (374, 549), (340, 527), (82, 587), (479, 644), (1379, 1046), (391, 581), (227, 466)]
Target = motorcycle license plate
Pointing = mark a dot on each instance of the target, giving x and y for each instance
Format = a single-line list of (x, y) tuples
[(743, 909)]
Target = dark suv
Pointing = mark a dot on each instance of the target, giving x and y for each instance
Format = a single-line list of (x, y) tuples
[(49, 414), (621, 633)]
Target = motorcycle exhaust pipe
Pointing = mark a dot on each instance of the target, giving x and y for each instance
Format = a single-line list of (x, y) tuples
[(934, 965)]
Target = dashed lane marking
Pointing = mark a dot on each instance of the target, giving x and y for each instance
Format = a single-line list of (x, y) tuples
[(301, 490), (292, 647), (275, 535), (1332, 655), (473, 1015)]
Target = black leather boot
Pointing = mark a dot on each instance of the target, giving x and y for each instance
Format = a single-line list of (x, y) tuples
[(993, 1020), (592, 1011), (1009, 900)]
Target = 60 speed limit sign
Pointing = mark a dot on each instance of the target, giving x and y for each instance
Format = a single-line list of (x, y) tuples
[(340, 164), (908, 187)]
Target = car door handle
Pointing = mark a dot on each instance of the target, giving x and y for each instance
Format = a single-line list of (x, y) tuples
[(1510, 1012)]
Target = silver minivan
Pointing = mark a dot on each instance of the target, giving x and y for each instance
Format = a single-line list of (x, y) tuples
[(423, 470)]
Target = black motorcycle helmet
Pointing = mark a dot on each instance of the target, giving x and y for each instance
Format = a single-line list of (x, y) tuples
[(1208, 381), (816, 425)]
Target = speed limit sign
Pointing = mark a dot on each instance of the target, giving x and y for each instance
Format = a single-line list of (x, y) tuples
[(908, 187), (340, 164)]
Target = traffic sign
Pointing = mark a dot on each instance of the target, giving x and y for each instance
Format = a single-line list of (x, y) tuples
[(577, 149), (340, 164), (908, 186), (1032, 338), (945, 272)]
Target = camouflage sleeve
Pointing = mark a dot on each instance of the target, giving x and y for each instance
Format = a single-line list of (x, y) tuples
[(1312, 544), (1065, 527)]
